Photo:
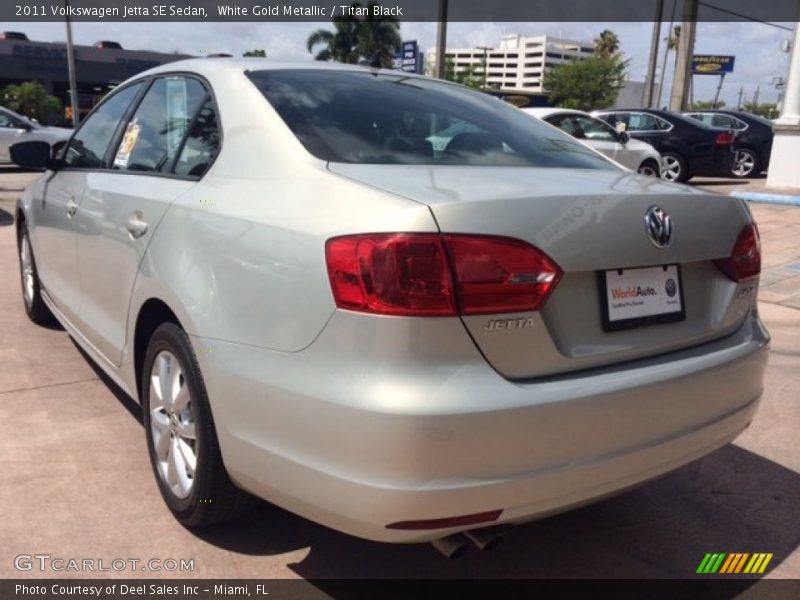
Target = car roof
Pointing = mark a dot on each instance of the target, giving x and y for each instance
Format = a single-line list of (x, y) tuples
[(544, 111)]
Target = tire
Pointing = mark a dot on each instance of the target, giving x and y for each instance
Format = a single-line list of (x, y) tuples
[(746, 163), (185, 433), (673, 167), (649, 168), (35, 307)]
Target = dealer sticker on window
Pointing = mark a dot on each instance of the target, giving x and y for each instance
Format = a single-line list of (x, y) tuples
[(642, 296)]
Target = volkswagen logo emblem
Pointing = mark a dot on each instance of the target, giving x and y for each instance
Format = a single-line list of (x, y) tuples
[(658, 226)]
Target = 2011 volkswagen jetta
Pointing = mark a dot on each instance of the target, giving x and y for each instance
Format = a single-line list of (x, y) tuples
[(318, 306)]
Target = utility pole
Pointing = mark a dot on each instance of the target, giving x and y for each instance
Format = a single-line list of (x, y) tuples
[(680, 84), (441, 41), (755, 96), (783, 171), (484, 61), (739, 101), (73, 85), (650, 80)]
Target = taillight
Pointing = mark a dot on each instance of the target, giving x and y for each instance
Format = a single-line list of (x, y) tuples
[(427, 274), (745, 260), (726, 137), (500, 275)]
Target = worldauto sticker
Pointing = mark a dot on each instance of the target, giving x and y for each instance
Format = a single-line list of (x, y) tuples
[(634, 293)]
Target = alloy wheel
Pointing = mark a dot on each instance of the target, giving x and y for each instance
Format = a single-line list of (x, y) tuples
[(28, 281), (672, 168), (743, 163), (172, 425)]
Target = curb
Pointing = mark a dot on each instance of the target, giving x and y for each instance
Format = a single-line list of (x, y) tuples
[(768, 198)]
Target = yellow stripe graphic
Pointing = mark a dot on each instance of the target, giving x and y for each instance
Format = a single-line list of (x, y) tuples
[(767, 558), (752, 562)]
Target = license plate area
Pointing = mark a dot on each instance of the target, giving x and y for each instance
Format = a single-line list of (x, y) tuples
[(642, 296)]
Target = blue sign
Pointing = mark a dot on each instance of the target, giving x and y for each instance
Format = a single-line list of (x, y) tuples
[(409, 58), (708, 64)]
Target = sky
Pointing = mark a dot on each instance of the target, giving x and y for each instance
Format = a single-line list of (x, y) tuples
[(755, 45)]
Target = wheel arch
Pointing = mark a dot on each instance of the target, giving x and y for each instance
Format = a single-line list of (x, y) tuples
[(151, 314)]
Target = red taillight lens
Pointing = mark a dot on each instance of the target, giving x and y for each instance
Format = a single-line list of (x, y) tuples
[(745, 260), (500, 275), (425, 274), (725, 137), (391, 274)]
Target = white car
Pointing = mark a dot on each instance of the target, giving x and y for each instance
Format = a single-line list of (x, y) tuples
[(15, 128), (634, 154)]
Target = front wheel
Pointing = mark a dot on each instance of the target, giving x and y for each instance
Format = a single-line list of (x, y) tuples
[(35, 307), (674, 167), (181, 438), (745, 163)]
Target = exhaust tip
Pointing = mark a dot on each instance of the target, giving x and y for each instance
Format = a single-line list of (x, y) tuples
[(487, 538), (452, 546)]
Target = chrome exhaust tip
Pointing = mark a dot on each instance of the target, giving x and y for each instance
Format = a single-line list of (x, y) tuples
[(487, 538), (452, 546)]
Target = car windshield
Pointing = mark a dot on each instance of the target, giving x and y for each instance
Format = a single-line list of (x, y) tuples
[(390, 118)]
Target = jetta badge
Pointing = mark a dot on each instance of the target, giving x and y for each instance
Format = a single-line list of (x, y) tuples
[(658, 226)]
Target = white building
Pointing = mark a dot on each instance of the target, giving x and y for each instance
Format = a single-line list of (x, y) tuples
[(519, 63)]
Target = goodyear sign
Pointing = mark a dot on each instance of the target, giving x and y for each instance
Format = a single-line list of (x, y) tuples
[(707, 64)]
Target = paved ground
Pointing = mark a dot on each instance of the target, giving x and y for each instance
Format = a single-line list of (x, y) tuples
[(75, 480)]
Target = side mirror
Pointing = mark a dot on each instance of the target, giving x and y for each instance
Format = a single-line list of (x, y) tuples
[(624, 137), (31, 155), (56, 157)]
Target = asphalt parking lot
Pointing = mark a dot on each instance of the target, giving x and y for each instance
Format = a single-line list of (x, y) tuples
[(75, 480)]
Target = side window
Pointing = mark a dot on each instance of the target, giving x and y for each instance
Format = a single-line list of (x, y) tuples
[(722, 121), (595, 129), (88, 146), (202, 143), (5, 122), (154, 134), (642, 122)]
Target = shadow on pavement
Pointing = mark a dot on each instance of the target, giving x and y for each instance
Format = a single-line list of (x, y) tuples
[(6, 218), (731, 501)]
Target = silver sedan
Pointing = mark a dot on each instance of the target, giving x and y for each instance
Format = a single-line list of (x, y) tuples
[(317, 307), (15, 128)]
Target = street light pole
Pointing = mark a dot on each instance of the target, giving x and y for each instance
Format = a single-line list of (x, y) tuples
[(783, 171), (73, 85), (650, 81), (484, 62), (441, 41)]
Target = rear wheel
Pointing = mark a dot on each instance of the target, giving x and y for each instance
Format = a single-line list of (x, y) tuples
[(674, 167), (181, 438), (35, 307), (650, 168), (745, 163)]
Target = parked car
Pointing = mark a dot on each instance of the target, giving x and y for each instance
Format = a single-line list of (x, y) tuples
[(636, 155), (16, 128), (753, 138), (315, 309), (688, 148)]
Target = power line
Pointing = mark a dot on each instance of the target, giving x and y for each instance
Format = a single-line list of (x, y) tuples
[(743, 16)]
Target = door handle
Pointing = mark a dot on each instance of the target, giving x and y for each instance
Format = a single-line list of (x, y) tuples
[(136, 227), (72, 207)]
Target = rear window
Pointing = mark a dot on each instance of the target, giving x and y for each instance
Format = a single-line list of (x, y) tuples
[(388, 118)]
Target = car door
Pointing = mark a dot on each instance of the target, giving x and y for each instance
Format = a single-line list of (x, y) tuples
[(10, 132), (123, 205), (53, 234)]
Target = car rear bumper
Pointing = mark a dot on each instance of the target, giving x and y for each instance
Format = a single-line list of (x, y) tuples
[(405, 421)]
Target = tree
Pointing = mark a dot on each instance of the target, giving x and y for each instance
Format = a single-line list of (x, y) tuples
[(672, 42), (32, 100), (704, 104), (606, 44), (467, 76), (767, 110), (375, 39), (586, 84), (258, 52)]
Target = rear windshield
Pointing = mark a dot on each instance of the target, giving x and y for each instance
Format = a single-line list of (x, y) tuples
[(388, 118)]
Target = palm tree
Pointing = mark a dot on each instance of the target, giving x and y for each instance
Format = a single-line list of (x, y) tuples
[(672, 42), (376, 39), (606, 44), (379, 38), (341, 45)]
